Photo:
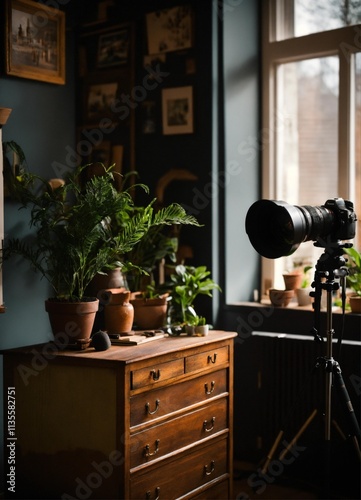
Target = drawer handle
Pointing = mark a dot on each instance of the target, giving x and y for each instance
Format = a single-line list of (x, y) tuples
[(149, 495), (147, 453), (211, 470), (209, 391), (155, 374), (212, 359), (205, 423), (147, 406)]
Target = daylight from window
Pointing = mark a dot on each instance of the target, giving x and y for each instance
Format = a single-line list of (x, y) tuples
[(324, 15), (312, 91)]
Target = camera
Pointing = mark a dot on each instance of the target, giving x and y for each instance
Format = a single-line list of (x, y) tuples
[(276, 229)]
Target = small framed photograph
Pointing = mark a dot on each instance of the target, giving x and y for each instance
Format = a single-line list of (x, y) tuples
[(35, 41), (170, 29), (177, 110), (100, 99), (113, 48)]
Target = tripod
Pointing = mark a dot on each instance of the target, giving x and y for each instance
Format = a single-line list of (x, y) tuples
[(329, 266)]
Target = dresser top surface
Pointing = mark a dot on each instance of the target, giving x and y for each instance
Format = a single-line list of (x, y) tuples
[(127, 354)]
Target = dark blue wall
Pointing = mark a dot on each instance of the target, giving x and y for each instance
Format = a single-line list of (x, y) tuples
[(43, 123), (226, 113)]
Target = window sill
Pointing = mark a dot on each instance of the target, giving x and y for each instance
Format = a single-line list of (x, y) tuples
[(293, 319)]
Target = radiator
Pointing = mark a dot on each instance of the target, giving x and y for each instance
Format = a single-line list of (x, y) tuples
[(290, 387)]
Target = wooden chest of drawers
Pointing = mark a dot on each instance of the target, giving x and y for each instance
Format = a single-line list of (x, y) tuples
[(151, 421)]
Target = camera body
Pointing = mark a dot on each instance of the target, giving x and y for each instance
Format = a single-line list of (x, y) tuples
[(345, 218)]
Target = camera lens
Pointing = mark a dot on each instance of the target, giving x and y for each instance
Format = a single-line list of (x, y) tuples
[(277, 229)]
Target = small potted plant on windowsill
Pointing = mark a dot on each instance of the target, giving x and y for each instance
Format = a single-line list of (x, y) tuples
[(353, 279), (303, 293)]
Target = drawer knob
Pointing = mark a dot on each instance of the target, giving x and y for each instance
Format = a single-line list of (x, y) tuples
[(149, 495), (209, 391), (147, 407), (212, 359), (208, 470), (147, 453), (205, 425), (155, 374)]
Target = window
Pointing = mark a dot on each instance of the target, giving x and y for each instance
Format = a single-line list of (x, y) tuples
[(312, 110)]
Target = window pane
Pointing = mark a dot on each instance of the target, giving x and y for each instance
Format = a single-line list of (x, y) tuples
[(324, 15), (307, 157), (357, 200)]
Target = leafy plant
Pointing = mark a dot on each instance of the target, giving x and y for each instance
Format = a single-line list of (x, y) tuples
[(353, 279), (188, 283), (306, 281), (74, 238)]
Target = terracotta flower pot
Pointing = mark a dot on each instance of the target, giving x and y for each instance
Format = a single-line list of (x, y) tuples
[(149, 313), (118, 311), (355, 303), (72, 322), (292, 280), (280, 298)]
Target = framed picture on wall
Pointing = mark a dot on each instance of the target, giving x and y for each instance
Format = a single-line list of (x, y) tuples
[(35, 41), (100, 99), (170, 29), (113, 48), (177, 110)]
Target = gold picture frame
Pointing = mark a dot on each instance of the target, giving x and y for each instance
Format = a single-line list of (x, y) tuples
[(35, 41)]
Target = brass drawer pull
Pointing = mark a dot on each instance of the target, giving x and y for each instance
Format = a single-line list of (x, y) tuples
[(147, 406), (155, 374), (149, 495), (209, 472), (205, 423), (209, 391), (212, 359), (147, 453)]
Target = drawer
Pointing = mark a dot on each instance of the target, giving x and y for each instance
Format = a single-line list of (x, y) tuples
[(220, 491), (147, 407), (182, 473), (185, 430), (207, 359), (149, 376)]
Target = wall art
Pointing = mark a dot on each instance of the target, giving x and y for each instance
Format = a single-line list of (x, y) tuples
[(35, 41)]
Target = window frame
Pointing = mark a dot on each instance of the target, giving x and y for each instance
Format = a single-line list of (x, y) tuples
[(345, 42)]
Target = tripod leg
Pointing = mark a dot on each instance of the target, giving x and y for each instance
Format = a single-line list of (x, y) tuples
[(299, 433), (272, 452), (345, 398)]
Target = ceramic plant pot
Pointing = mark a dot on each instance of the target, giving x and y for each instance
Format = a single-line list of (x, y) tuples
[(280, 298), (149, 313), (355, 303), (118, 311), (292, 280), (72, 322), (303, 296)]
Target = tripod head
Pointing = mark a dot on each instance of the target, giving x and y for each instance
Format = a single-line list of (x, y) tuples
[(330, 265)]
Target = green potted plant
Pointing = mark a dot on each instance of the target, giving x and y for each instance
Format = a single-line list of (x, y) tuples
[(353, 279), (186, 284), (74, 238), (303, 293), (150, 307), (68, 245)]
